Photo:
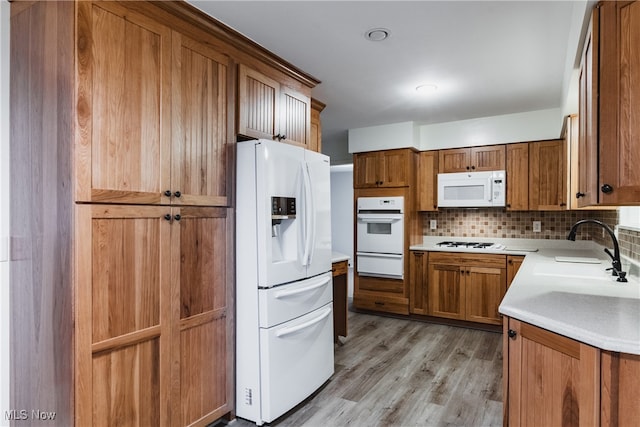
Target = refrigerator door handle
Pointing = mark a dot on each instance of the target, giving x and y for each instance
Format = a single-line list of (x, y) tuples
[(306, 289), (292, 330), (308, 216)]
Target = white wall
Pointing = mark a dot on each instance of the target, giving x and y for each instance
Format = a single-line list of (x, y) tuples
[(529, 126), (342, 214), (373, 138), (4, 210), (519, 127)]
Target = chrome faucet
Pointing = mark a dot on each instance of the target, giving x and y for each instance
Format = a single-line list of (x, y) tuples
[(616, 264)]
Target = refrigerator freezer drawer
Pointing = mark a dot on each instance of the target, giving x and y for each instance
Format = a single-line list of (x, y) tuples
[(380, 265), (296, 358), (285, 302)]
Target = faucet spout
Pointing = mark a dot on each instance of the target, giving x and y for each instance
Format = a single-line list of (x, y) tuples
[(616, 263)]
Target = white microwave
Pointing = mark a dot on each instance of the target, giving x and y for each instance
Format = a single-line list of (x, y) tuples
[(471, 189)]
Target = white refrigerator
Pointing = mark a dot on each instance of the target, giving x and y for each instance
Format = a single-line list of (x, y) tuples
[(284, 291)]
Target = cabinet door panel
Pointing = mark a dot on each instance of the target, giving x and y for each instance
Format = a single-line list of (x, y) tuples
[(547, 181), (619, 92), (485, 288), (126, 386), (365, 170), (126, 275), (122, 299), (588, 119), (419, 282), (518, 177), (200, 109), (446, 293), (295, 117), (123, 105), (488, 158), (454, 160), (513, 265), (395, 168), (427, 181), (552, 380), (259, 98), (203, 343)]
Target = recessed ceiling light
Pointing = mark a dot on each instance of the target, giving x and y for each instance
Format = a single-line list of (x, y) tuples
[(426, 88), (377, 34)]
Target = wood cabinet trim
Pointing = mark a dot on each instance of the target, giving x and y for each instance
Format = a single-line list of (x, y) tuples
[(557, 342), (191, 16)]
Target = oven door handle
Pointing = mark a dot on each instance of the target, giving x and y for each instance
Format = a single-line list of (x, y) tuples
[(387, 219)]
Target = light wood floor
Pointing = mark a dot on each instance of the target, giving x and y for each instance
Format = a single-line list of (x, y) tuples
[(395, 372)]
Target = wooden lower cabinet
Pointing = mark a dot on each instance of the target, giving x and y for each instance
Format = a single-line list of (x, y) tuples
[(466, 286), (513, 265), (380, 294), (339, 273), (152, 320), (620, 389), (418, 282), (549, 380)]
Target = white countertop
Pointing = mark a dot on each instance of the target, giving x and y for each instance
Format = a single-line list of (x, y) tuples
[(579, 300), (339, 256)]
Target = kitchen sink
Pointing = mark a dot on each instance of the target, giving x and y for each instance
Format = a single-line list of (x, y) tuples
[(577, 270)]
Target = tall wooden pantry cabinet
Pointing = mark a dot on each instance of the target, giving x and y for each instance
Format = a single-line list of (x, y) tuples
[(123, 123)]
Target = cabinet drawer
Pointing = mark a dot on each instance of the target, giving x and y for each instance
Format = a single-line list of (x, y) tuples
[(468, 259), (382, 303), (338, 268)]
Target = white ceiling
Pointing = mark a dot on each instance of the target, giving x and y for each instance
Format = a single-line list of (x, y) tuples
[(486, 57)]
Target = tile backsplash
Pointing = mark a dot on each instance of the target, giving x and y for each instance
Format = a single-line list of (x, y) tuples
[(629, 243), (497, 223)]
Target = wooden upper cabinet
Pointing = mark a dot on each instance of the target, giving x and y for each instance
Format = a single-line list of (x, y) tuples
[(258, 104), (547, 175), (619, 109), (315, 143), (473, 159), (295, 117), (427, 181), (153, 112), (609, 114), (123, 106), (268, 109), (517, 177), (389, 168), (201, 103)]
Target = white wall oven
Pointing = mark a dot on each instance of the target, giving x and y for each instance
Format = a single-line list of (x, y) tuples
[(380, 237)]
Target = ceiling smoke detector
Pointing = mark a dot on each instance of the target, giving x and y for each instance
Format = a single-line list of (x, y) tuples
[(377, 34)]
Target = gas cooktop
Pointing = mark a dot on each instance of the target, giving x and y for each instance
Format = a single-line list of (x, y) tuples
[(471, 245)]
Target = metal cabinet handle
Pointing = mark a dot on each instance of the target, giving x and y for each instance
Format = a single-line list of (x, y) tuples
[(177, 217), (579, 194), (606, 189), (177, 194), (167, 217), (167, 193), (512, 334)]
